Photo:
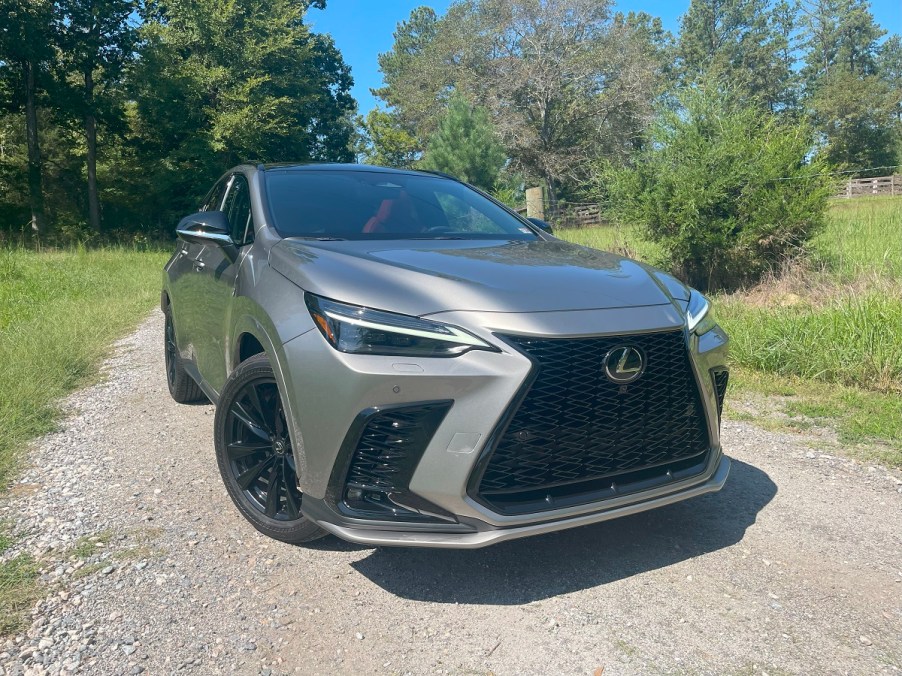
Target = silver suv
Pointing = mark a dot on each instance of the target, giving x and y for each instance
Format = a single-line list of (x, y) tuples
[(398, 359)]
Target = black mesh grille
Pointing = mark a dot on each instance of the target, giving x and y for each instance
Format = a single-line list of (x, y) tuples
[(390, 446), (385, 447), (721, 378), (575, 426)]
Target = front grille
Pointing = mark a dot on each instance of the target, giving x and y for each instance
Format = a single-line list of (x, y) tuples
[(575, 430), (720, 377), (386, 451)]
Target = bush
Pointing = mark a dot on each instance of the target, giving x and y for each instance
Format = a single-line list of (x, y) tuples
[(724, 188)]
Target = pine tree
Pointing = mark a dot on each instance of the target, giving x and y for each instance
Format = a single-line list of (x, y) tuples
[(465, 145)]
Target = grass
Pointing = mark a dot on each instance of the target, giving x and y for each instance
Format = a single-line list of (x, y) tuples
[(823, 342), (18, 586), (845, 336), (863, 236), (868, 423), (625, 240), (59, 312)]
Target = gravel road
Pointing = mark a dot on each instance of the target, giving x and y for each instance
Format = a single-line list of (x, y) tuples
[(795, 567)]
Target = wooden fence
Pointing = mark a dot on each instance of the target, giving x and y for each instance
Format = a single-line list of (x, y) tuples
[(882, 185), (570, 215)]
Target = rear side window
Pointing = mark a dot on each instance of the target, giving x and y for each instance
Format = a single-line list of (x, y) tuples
[(377, 205)]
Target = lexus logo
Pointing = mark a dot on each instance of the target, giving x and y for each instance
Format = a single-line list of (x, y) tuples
[(624, 364)]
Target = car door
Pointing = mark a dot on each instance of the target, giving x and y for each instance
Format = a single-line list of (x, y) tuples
[(187, 284), (218, 270)]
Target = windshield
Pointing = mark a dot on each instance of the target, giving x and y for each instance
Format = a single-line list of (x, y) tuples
[(377, 205)]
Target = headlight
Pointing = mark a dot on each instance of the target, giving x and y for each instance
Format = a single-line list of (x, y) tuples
[(360, 330), (699, 315)]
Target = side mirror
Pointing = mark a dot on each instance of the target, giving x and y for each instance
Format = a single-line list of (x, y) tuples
[(541, 225), (205, 227)]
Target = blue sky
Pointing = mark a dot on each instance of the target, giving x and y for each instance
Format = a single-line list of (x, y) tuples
[(363, 28)]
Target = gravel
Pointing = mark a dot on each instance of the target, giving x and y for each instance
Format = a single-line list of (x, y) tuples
[(796, 566)]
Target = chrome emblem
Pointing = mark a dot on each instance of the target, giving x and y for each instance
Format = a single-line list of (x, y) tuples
[(624, 364)]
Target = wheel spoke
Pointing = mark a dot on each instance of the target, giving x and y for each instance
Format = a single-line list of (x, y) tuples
[(257, 406), (246, 478), (249, 420), (291, 499), (242, 449), (273, 490)]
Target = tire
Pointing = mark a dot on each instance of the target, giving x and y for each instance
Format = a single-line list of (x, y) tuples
[(254, 454), (182, 387)]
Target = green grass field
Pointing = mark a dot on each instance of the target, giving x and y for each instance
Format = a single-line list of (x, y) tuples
[(59, 312), (825, 342)]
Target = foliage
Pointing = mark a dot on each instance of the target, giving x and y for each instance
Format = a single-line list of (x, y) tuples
[(855, 106), (748, 43), (253, 84), (563, 80), (387, 143), (465, 145), (160, 97), (856, 116), (723, 188)]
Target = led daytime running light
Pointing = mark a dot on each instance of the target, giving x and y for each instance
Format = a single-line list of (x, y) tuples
[(453, 335)]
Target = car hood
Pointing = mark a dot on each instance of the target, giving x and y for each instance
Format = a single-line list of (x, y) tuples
[(425, 277)]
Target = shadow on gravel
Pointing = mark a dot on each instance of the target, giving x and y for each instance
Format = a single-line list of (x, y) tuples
[(536, 568)]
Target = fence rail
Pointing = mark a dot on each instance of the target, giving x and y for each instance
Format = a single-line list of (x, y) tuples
[(570, 214), (882, 185)]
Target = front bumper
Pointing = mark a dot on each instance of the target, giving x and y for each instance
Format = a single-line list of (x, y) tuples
[(327, 391)]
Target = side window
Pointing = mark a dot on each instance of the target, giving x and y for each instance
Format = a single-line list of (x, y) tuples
[(238, 208), (213, 199)]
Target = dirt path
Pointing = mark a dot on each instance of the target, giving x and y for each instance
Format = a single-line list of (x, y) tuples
[(796, 566)]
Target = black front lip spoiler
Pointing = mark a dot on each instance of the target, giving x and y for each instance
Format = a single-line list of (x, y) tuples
[(464, 536)]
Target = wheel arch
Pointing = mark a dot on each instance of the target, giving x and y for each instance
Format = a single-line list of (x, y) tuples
[(247, 335)]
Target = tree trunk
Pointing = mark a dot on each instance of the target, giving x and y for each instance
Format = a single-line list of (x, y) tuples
[(35, 192), (91, 139)]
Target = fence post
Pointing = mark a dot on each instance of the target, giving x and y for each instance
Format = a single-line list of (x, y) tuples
[(535, 203)]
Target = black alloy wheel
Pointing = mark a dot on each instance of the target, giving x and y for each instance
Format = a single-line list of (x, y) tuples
[(259, 450), (255, 454)]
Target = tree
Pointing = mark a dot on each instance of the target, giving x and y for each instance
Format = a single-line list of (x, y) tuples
[(97, 42), (26, 48), (387, 143), (416, 73), (222, 82), (745, 42), (724, 187), (856, 117), (562, 81), (838, 33), (465, 145), (852, 107)]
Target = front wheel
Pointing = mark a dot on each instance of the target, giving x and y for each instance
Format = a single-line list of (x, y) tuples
[(254, 454)]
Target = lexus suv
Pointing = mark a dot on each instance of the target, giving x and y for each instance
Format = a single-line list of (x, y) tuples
[(398, 359)]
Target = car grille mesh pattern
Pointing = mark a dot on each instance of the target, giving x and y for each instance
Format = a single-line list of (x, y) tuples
[(574, 425), (389, 447)]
